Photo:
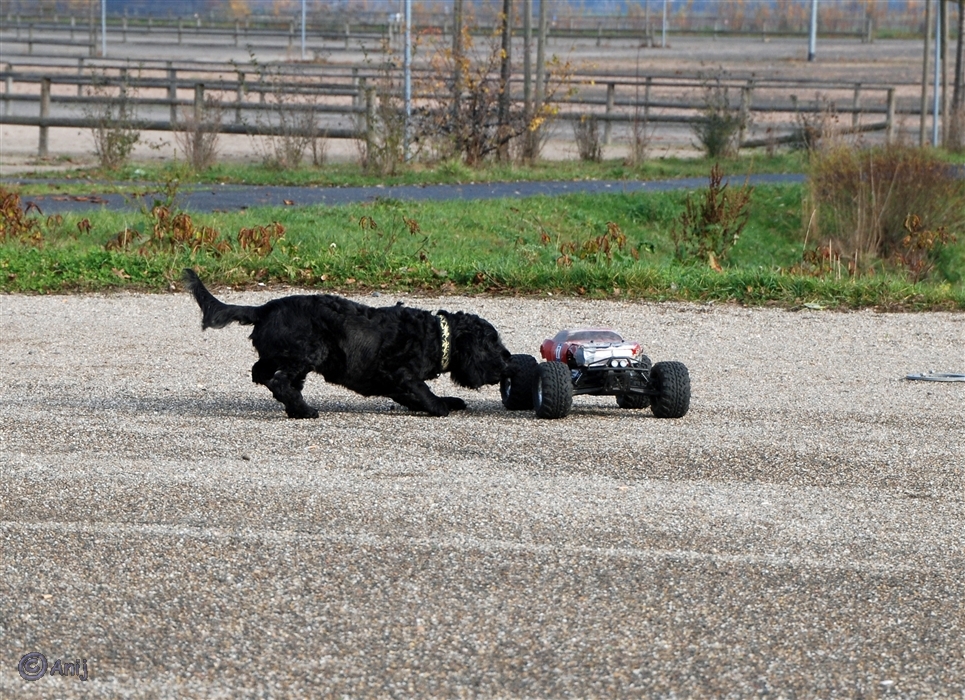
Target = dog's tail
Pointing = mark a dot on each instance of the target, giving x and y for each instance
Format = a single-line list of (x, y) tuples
[(214, 313)]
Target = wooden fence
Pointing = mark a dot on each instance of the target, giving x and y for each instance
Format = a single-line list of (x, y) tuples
[(341, 100)]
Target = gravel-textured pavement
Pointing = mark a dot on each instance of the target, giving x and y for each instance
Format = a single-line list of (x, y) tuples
[(238, 197), (800, 533)]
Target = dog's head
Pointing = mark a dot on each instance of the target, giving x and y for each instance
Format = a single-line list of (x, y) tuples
[(478, 356)]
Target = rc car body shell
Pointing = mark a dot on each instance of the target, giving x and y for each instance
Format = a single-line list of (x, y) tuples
[(600, 361)]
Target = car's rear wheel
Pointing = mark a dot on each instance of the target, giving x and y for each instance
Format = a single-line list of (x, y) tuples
[(633, 400), (670, 383), (553, 390), (516, 388)]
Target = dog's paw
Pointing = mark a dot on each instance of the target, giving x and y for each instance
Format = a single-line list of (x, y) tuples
[(454, 403), (310, 413)]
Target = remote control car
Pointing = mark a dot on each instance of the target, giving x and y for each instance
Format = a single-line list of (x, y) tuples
[(594, 361)]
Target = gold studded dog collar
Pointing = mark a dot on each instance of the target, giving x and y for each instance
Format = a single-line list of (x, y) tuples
[(446, 342)]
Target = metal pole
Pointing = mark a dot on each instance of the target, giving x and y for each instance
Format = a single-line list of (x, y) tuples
[(938, 63), (813, 34), (104, 28), (923, 108), (527, 58), (303, 30), (663, 27), (541, 58), (407, 66)]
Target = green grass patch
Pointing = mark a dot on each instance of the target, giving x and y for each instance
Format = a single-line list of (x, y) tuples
[(611, 245)]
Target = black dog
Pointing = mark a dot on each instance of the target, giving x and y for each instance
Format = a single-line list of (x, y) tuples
[(388, 351)]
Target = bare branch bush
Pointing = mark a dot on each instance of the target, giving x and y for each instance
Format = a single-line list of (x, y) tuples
[(382, 145), (289, 121), (115, 133), (470, 127), (719, 129), (589, 143), (199, 133)]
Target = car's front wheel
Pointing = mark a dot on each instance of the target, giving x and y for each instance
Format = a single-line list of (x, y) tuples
[(553, 390), (670, 384), (516, 388)]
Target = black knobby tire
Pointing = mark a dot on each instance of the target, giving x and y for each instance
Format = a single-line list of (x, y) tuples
[(633, 400), (517, 388), (670, 382), (553, 390)]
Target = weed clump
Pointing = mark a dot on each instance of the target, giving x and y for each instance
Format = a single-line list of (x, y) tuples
[(15, 224), (712, 223)]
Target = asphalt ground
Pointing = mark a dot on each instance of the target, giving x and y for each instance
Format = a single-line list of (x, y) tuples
[(798, 534), (238, 197)]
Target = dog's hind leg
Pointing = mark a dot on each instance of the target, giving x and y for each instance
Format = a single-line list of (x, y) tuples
[(286, 385)]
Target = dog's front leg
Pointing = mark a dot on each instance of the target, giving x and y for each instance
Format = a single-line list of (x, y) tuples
[(419, 397), (287, 390)]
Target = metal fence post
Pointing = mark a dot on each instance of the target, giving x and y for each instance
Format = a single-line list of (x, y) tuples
[(44, 115)]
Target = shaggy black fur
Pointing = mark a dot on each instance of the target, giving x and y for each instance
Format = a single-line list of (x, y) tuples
[(388, 351)]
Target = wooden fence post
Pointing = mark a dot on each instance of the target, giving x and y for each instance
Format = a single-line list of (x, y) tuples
[(890, 118), (198, 104), (30, 39), (747, 95), (173, 91), (369, 118), (240, 97), (607, 126), (646, 100), (180, 29), (7, 89), (44, 115), (856, 106), (237, 29)]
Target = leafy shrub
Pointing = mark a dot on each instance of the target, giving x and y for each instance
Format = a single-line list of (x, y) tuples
[(862, 200), (917, 252)]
